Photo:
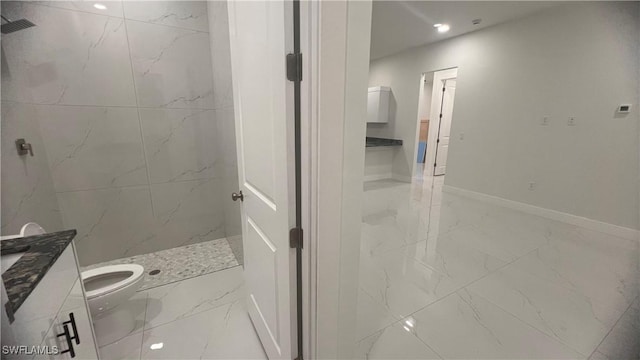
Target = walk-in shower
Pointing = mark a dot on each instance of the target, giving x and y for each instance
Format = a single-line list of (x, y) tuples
[(127, 108), (130, 117)]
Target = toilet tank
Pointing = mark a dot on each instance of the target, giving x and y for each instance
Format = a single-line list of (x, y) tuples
[(378, 104)]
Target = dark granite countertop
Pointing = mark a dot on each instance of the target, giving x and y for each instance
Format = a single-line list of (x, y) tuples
[(40, 253), (376, 142)]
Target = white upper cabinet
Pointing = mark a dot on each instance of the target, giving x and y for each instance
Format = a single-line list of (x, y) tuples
[(378, 104)]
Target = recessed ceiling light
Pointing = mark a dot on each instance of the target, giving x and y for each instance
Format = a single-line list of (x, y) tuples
[(437, 25), (99, 6), (443, 28), (156, 346)]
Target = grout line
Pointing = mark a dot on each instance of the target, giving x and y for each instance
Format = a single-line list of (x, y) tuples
[(201, 311), (144, 324), (613, 327), (397, 320), (558, 340), (554, 338), (34, 3), (400, 319), (169, 26), (141, 185), (135, 92), (112, 16), (464, 287), (225, 107)]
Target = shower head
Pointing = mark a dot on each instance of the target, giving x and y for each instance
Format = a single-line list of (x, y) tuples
[(12, 26)]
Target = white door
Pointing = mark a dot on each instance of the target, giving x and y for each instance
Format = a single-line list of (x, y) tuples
[(446, 115), (261, 34)]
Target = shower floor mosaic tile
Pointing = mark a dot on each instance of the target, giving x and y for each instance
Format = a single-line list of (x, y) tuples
[(180, 263)]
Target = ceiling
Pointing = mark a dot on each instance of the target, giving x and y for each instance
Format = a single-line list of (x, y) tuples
[(400, 25)]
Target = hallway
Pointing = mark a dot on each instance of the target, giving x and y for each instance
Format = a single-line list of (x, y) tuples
[(445, 276)]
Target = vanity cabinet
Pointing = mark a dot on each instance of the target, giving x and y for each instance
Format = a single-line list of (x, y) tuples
[(56, 302), (71, 331)]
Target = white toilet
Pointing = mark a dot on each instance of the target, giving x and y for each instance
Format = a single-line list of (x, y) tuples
[(107, 289)]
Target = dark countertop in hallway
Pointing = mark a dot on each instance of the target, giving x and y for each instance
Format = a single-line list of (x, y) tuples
[(378, 142)]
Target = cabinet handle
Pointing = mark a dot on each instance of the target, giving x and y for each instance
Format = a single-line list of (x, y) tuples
[(72, 321), (67, 336)]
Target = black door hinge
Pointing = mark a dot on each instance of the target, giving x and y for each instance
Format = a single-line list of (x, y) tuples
[(294, 67), (295, 238)]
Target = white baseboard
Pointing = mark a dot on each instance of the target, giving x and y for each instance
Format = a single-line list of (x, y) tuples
[(402, 178), (615, 230), (374, 177)]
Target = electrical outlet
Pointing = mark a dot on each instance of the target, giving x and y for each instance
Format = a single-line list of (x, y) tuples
[(544, 121), (571, 121), (532, 186)]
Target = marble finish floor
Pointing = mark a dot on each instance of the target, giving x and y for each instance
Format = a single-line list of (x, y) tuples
[(180, 263), (444, 276), (202, 317)]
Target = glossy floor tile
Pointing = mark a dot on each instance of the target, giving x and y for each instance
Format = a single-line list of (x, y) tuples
[(471, 279), (127, 348), (572, 318), (623, 342), (198, 318), (465, 326), (401, 284), (394, 342), (219, 333), (371, 316), (448, 255), (182, 299)]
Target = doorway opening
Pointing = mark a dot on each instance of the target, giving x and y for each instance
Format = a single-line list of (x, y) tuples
[(435, 115)]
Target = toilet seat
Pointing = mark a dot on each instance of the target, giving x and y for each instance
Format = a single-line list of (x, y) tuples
[(135, 273)]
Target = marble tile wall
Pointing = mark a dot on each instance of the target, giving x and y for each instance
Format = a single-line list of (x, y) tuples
[(27, 187), (223, 102), (130, 113)]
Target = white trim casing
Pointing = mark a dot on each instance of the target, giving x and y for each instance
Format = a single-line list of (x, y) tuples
[(309, 43), (335, 40)]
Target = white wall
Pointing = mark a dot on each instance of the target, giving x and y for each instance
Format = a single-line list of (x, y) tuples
[(378, 162), (580, 60), (424, 106), (128, 111)]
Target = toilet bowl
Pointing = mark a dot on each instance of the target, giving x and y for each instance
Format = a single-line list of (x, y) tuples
[(107, 290)]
